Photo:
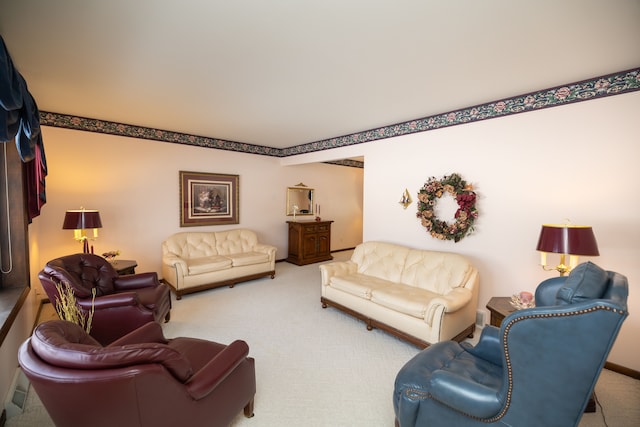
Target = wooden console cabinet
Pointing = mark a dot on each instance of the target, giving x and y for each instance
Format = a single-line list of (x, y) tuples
[(309, 242)]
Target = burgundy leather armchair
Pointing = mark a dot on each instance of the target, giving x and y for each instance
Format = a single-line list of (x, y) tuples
[(142, 379), (122, 303)]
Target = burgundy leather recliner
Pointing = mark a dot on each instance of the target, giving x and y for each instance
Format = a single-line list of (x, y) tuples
[(122, 303), (142, 379)]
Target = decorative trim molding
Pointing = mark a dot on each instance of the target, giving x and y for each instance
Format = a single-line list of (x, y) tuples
[(347, 162), (598, 87), (121, 129)]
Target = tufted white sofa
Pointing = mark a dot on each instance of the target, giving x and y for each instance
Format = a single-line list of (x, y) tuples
[(418, 295), (194, 261)]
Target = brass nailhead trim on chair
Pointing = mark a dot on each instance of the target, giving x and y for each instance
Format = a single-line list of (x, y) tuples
[(413, 393), (508, 358)]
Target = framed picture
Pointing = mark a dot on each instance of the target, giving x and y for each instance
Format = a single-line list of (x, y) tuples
[(208, 199)]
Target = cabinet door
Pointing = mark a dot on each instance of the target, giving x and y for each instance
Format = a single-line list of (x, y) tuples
[(309, 246), (294, 241), (324, 243)]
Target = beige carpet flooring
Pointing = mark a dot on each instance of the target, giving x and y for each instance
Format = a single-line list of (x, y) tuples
[(319, 367)]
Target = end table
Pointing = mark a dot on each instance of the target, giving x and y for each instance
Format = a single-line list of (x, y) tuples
[(499, 307), (124, 266)]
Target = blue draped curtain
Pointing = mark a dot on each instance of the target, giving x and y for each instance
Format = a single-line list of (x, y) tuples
[(20, 121)]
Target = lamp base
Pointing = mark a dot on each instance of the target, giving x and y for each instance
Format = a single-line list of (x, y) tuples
[(561, 268)]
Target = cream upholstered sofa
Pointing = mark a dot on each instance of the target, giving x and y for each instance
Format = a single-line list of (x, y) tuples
[(418, 295), (194, 261)]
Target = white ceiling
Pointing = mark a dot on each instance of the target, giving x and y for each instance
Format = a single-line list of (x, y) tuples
[(281, 73)]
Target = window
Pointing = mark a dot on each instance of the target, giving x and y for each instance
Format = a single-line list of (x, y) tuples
[(14, 241)]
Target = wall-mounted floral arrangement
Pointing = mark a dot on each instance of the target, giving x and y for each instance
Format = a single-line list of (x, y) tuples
[(465, 216)]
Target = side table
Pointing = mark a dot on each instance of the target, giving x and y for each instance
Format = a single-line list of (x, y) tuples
[(124, 266), (500, 307)]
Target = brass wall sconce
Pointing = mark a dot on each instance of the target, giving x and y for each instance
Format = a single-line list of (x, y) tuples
[(405, 200)]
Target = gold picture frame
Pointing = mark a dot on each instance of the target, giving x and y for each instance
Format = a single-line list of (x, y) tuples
[(208, 199)]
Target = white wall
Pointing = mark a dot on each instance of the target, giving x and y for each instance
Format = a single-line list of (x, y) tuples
[(135, 185), (577, 161)]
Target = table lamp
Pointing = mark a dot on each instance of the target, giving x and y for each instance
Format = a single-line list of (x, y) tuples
[(566, 239), (81, 220)]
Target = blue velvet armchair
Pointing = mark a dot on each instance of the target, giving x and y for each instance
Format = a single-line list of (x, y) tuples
[(538, 369)]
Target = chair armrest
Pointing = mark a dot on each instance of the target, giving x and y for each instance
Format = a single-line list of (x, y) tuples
[(452, 301), (109, 301), (148, 333), (337, 268), (464, 394), (174, 261), (217, 369), (264, 248), (489, 346), (136, 281)]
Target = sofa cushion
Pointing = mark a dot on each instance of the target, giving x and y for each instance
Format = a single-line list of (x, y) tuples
[(208, 264), (437, 272), (248, 258), (404, 299), (359, 285), (585, 282), (380, 259), (236, 241), (191, 245)]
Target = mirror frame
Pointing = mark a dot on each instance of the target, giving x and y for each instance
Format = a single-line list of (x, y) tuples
[(294, 195)]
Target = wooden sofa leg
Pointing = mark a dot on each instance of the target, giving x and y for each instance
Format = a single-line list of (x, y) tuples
[(248, 410)]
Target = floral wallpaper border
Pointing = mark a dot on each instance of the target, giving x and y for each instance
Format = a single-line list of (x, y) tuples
[(608, 85)]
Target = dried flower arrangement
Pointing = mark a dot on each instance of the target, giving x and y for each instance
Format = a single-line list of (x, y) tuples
[(68, 309), (523, 300), (465, 216), (111, 255)]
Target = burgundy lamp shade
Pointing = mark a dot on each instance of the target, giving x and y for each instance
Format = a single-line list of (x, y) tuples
[(81, 219), (568, 239)]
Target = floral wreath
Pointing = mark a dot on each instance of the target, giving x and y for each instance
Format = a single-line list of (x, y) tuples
[(465, 216)]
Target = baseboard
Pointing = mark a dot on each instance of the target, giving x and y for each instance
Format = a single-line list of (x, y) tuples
[(342, 250), (622, 370), (333, 252)]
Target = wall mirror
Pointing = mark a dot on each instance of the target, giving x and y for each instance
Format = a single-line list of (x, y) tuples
[(302, 197)]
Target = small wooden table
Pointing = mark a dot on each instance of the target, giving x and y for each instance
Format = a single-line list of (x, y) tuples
[(124, 266), (500, 307)]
